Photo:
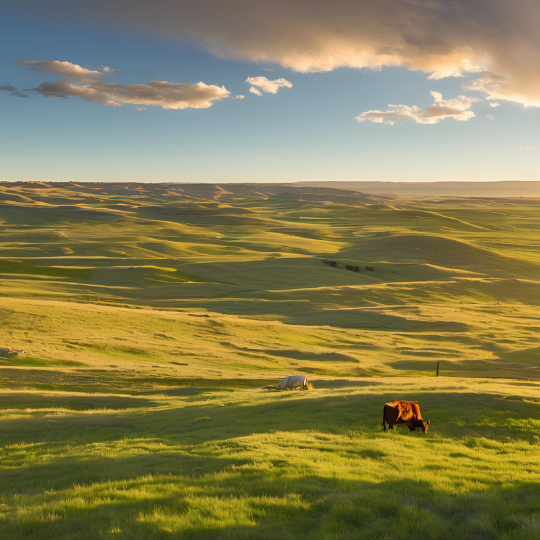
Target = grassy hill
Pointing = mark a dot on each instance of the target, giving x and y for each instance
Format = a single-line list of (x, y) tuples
[(503, 188), (145, 325)]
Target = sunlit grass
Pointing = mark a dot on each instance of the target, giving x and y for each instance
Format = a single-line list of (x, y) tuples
[(157, 323), (256, 462)]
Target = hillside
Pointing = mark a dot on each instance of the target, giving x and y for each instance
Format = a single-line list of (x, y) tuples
[(241, 265), (144, 328), (504, 188)]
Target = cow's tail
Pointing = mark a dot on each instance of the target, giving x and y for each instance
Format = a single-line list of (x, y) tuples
[(383, 418)]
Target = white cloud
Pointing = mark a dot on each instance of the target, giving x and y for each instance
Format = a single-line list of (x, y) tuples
[(458, 109), (495, 104), (255, 91), (271, 87), (87, 85), (140, 109), (439, 37), (238, 96)]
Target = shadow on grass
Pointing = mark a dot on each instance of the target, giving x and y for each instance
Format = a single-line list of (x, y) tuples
[(183, 472), (487, 416), (270, 504), (127, 382), (26, 400), (451, 414), (469, 368)]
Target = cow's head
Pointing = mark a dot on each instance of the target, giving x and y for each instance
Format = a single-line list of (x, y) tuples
[(424, 425)]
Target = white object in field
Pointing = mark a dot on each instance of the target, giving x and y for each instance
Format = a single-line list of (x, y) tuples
[(293, 381)]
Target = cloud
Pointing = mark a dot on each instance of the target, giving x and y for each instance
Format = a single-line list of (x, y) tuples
[(109, 70), (238, 96), (439, 37), (161, 93), (64, 69), (495, 104), (271, 87), (15, 142), (140, 109), (87, 85), (14, 91), (457, 108), (255, 91), (498, 87)]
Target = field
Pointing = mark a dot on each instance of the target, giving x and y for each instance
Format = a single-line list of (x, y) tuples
[(145, 327)]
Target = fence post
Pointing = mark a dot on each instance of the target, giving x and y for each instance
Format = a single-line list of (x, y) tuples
[(437, 369)]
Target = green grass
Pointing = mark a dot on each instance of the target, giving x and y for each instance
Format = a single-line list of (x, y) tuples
[(256, 463), (158, 320)]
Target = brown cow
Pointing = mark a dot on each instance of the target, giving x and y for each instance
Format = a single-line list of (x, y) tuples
[(404, 412)]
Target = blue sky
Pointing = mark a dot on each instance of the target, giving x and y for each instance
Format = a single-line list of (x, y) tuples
[(307, 132)]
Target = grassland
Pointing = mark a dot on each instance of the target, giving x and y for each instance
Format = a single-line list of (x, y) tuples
[(147, 324)]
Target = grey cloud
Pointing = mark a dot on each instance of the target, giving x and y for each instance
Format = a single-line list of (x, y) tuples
[(439, 37), (64, 69), (8, 88), (161, 93), (20, 94), (87, 84)]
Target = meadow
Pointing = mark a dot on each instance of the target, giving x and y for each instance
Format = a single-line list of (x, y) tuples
[(144, 328)]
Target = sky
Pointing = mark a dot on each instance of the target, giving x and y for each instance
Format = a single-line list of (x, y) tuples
[(269, 91)]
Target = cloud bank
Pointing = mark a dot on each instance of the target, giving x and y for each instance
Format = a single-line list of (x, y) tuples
[(458, 109), (87, 84), (439, 37)]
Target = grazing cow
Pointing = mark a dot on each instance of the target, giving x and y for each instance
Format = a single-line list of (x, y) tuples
[(404, 412), (294, 381)]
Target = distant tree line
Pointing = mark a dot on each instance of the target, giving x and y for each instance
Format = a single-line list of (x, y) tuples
[(334, 264)]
